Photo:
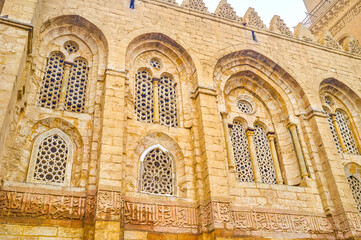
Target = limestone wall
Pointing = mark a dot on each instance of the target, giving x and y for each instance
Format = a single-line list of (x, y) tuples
[(214, 60)]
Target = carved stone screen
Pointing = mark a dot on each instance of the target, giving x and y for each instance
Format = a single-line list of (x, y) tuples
[(51, 160), (71, 47), (242, 159), (154, 62), (156, 174), (52, 80), (167, 102), (355, 186), (76, 91), (244, 106), (346, 133), (144, 96), (334, 134), (264, 156)]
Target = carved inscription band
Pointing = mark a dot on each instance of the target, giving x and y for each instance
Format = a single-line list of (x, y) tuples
[(109, 206)]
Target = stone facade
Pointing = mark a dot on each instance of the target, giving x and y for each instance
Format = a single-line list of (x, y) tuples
[(169, 122)]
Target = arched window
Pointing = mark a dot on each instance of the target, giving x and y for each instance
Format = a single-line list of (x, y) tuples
[(144, 96), (76, 90), (52, 81), (334, 133), (51, 158), (157, 171), (346, 133), (264, 156), (241, 155), (355, 186), (167, 102)]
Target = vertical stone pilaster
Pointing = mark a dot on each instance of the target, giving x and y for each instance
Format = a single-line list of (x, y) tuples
[(230, 156), (253, 156), (112, 133), (296, 142), (213, 158), (276, 163)]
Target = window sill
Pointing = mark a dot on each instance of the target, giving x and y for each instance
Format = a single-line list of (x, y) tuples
[(38, 188)]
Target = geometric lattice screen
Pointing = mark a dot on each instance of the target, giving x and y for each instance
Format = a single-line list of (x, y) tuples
[(264, 156), (77, 84), (167, 102), (156, 174), (51, 160), (144, 96), (241, 155), (355, 186), (346, 133), (52, 81)]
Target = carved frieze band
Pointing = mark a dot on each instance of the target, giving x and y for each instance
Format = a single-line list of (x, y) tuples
[(168, 217), (15, 204), (348, 17)]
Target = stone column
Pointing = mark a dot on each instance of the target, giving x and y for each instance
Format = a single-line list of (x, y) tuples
[(296, 142), (64, 85), (276, 163), (230, 156), (155, 100), (253, 155), (338, 131)]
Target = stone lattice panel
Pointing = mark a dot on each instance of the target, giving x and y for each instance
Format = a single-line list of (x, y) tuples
[(225, 10), (252, 19), (329, 41), (303, 33), (195, 4), (144, 96), (51, 160), (355, 186), (334, 134), (352, 45), (157, 173), (76, 90), (167, 102), (242, 159), (277, 25), (71, 47), (52, 81), (346, 133), (264, 157), (245, 107)]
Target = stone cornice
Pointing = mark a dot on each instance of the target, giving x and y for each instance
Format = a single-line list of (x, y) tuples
[(346, 18)]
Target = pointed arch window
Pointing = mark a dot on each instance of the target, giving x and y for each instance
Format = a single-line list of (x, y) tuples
[(157, 175), (240, 147), (144, 96), (264, 155), (155, 99), (51, 158), (52, 81), (64, 83), (76, 90)]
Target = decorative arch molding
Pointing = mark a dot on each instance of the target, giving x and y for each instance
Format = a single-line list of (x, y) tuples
[(36, 155), (272, 74), (48, 125), (165, 45)]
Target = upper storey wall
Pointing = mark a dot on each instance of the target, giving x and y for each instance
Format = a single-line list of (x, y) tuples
[(207, 39)]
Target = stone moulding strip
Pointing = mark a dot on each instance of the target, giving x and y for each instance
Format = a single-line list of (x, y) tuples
[(348, 17)]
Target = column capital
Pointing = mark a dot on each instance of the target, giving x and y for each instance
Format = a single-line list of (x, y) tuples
[(224, 114), (155, 80), (68, 64), (249, 132), (271, 136), (291, 126)]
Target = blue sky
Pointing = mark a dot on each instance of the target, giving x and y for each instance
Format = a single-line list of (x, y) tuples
[(291, 11)]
